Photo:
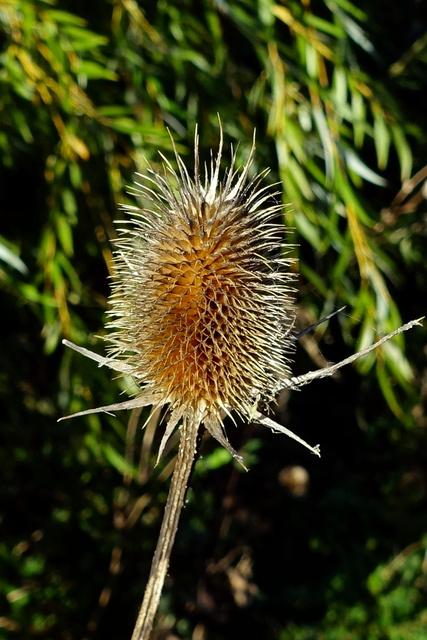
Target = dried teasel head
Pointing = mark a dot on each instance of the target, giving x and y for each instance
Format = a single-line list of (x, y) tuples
[(201, 309)]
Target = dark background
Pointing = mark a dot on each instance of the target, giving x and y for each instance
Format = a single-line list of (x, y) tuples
[(297, 548)]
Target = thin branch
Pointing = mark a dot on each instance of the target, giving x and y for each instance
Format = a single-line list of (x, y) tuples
[(183, 466)]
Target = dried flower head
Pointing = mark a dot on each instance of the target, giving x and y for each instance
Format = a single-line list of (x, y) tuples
[(201, 307)]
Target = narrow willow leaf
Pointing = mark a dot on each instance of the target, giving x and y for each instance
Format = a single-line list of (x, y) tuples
[(327, 143), (358, 108), (354, 163), (381, 138), (64, 17), (403, 151), (9, 257), (340, 86), (64, 233), (307, 229), (383, 378), (95, 71)]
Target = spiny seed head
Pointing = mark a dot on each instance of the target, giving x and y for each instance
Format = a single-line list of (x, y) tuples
[(201, 306)]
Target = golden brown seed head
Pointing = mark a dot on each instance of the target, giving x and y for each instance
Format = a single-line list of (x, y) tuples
[(202, 306)]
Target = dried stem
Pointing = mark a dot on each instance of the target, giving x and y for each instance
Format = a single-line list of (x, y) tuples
[(183, 465)]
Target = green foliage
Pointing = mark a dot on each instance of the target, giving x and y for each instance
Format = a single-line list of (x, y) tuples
[(337, 95), (397, 610)]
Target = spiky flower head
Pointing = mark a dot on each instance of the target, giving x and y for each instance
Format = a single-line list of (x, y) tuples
[(201, 306)]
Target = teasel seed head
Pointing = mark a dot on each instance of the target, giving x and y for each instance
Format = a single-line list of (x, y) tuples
[(202, 308)]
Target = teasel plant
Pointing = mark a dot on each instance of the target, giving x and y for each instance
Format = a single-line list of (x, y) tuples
[(202, 317)]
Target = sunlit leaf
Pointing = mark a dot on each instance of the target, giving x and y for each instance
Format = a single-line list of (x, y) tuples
[(10, 258), (64, 233), (93, 70), (83, 39), (354, 163), (63, 17), (403, 151)]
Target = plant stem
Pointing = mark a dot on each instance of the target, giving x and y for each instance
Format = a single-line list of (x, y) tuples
[(174, 504)]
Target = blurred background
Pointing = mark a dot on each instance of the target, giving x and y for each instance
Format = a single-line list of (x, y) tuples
[(297, 548)]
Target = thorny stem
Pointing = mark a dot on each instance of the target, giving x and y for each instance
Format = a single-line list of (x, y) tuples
[(183, 465)]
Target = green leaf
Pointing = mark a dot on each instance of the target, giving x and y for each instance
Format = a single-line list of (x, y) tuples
[(358, 108), (10, 258), (403, 151), (69, 203), (114, 458), (349, 7), (215, 460), (330, 28), (340, 86), (315, 279), (83, 39), (354, 163), (64, 233), (327, 142), (124, 125), (95, 71), (387, 390), (381, 138), (114, 111), (63, 17), (32, 294)]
